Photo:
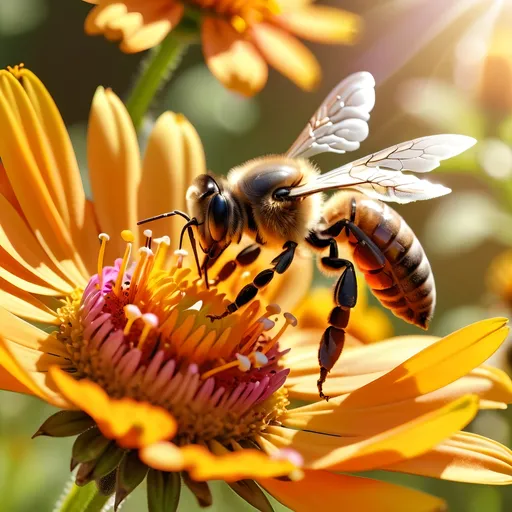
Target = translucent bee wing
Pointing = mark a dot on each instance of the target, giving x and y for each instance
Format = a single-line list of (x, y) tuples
[(380, 175), (341, 122)]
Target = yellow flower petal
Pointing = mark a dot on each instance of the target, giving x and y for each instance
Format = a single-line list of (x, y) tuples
[(362, 453), (17, 240), (321, 24), (24, 152), (332, 493), (204, 465), (30, 368), (287, 54), (154, 30), (114, 166), (132, 424), (464, 457), (339, 417), (24, 304), (63, 159), (231, 58), (173, 158), (440, 364)]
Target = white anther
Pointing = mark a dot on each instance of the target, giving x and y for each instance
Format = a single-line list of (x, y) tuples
[(181, 252), (132, 312), (147, 250), (147, 233), (267, 324), (150, 320), (273, 309), (290, 319), (162, 240), (104, 237), (196, 307), (260, 359), (244, 363)]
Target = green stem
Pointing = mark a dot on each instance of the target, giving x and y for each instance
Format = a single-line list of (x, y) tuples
[(82, 499), (156, 70)]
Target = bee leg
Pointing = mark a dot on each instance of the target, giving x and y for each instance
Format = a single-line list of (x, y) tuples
[(245, 257), (280, 264), (345, 298)]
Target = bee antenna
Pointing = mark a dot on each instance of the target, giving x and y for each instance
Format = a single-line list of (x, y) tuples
[(163, 216), (188, 228)]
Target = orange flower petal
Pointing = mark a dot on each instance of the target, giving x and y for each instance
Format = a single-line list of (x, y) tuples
[(464, 457), (321, 24), (132, 424), (154, 30), (173, 158), (24, 304), (362, 453), (440, 364), (25, 154), (232, 59), (338, 417), (331, 493), (287, 54), (28, 368), (114, 166), (63, 159), (17, 240), (204, 465)]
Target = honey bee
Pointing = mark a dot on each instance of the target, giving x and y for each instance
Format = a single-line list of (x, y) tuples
[(278, 201)]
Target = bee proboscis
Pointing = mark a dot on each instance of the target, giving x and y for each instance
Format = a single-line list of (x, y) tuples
[(278, 201)]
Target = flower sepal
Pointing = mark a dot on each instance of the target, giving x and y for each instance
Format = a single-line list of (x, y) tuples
[(65, 424), (163, 491)]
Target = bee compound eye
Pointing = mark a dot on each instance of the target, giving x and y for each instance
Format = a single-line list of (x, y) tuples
[(281, 194), (218, 217)]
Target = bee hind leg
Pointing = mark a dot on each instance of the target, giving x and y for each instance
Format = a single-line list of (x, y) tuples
[(345, 298), (280, 264)]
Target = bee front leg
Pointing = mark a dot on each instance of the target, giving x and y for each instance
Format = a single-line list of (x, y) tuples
[(345, 298), (280, 264)]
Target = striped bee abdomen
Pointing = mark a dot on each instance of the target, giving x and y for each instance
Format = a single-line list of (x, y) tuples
[(405, 284)]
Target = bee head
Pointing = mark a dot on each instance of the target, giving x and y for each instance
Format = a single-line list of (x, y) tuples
[(210, 205)]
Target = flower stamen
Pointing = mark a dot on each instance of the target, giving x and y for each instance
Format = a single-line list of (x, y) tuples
[(243, 363), (150, 322), (104, 238), (290, 320), (128, 237), (149, 237), (132, 313)]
